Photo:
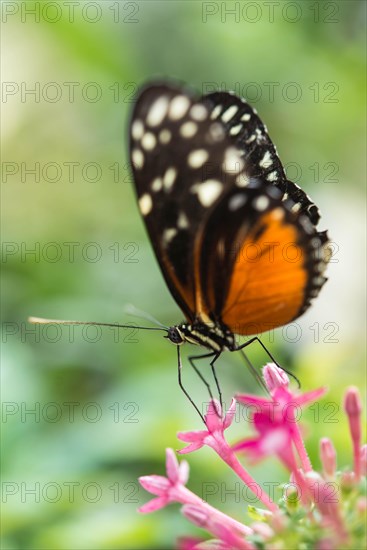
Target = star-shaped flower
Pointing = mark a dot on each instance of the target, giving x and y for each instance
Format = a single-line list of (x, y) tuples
[(168, 489), (275, 420), (213, 436)]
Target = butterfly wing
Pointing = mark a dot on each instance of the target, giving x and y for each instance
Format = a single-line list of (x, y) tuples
[(176, 154), (203, 171)]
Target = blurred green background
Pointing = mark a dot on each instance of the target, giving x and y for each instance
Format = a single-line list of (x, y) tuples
[(105, 405)]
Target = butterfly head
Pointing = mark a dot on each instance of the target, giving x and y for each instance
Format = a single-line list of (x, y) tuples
[(175, 336)]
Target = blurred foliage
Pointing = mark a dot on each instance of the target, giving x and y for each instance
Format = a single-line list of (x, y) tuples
[(104, 408)]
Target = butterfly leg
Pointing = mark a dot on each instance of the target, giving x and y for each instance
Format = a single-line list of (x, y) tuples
[(200, 375), (257, 339), (179, 365), (216, 379), (215, 356)]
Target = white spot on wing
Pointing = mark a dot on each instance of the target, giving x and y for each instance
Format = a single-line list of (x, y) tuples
[(157, 184), (237, 201), (137, 158), (246, 117), (178, 107), (182, 221), (261, 203), (242, 180), (137, 129), (266, 161), (272, 176), (148, 141), (235, 130), (232, 160), (197, 158), (188, 129), (229, 113), (216, 132), (216, 112), (169, 234), (208, 191), (158, 111), (165, 136), (198, 112), (145, 204), (169, 178)]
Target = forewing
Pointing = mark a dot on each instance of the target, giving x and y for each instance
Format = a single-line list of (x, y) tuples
[(177, 156)]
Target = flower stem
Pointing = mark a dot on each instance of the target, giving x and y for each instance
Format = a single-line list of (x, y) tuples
[(226, 454), (301, 449)]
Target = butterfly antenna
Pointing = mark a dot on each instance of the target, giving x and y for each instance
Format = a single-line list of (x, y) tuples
[(130, 309), (42, 321)]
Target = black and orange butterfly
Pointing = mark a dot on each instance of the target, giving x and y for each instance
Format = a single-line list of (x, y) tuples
[(236, 241)]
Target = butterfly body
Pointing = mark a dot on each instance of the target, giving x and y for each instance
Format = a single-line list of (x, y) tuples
[(236, 241), (214, 336)]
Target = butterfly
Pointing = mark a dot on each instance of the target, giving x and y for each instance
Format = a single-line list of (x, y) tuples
[(236, 241)]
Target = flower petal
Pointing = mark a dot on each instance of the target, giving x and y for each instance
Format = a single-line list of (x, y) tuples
[(172, 466), (275, 377), (190, 448), (153, 505), (195, 435), (213, 418), (310, 396), (228, 419), (157, 485)]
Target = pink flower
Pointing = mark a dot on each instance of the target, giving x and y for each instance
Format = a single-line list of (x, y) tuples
[(353, 408), (276, 420), (168, 489), (328, 457), (274, 436), (171, 489), (323, 511), (275, 377), (213, 436), (327, 500)]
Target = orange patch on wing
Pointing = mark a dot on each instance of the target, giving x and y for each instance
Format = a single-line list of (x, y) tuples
[(269, 278)]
